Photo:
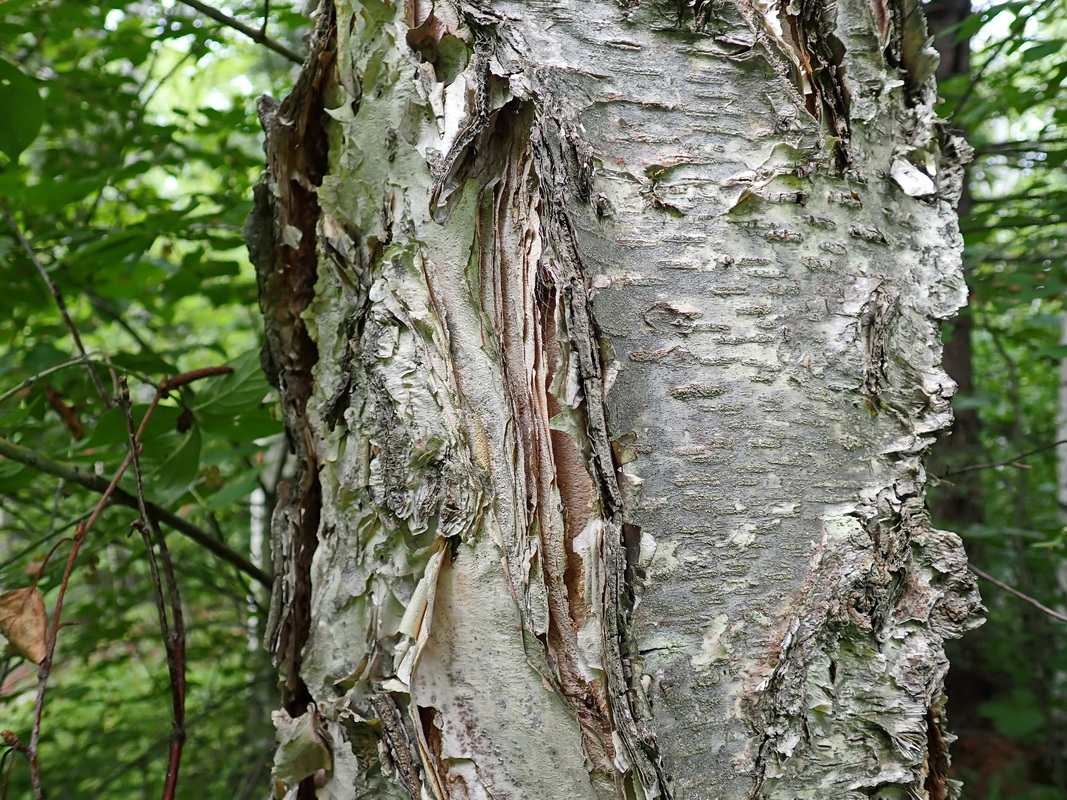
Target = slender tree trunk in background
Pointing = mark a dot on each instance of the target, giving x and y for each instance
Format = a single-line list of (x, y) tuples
[(608, 340), (956, 502)]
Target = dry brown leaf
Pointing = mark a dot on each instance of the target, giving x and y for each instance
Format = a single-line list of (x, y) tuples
[(24, 622)]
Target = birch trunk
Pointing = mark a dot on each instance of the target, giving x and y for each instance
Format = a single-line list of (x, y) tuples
[(607, 337)]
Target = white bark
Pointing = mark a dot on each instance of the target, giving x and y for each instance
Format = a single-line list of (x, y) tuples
[(627, 333)]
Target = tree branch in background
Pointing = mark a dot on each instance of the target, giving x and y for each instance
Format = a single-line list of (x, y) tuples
[(1033, 223), (54, 289), (1017, 593), (978, 74), (1011, 462), (95, 483), (256, 36), (1021, 146)]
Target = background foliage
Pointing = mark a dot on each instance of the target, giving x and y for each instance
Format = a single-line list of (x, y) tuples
[(132, 196), (1006, 689), (129, 149)]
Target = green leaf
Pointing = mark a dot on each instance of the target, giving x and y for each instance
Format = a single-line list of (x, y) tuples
[(171, 475), (237, 488), (1057, 352), (111, 428), (224, 402), (249, 425), (1039, 51), (11, 6), (21, 108), (14, 476)]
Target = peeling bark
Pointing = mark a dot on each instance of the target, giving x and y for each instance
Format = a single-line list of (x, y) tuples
[(618, 373), (281, 236)]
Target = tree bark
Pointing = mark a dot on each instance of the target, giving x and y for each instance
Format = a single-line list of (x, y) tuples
[(611, 397)]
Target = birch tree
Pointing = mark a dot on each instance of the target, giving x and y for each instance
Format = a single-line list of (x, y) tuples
[(607, 335)]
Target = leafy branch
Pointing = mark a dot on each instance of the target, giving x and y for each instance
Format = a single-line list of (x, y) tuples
[(22, 614)]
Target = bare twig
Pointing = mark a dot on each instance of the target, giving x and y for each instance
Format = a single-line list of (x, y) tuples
[(1021, 146), (175, 663), (171, 626), (170, 73), (256, 36), (1011, 462), (1017, 593), (53, 633), (54, 289)]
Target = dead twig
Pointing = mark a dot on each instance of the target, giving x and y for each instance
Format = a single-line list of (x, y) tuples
[(1017, 593), (171, 625), (1010, 462)]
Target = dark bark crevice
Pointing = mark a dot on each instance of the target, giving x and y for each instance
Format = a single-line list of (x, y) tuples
[(563, 161), (281, 235)]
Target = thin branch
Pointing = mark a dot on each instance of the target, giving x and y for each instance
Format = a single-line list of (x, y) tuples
[(165, 78), (1014, 225), (175, 663), (16, 557), (256, 36), (171, 627), (53, 633), (1021, 146), (1010, 462), (1012, 198), (100, 304), (62, 365), (1017, 593), (14, 746), (978, 75), (95, 483), (54, 289)]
